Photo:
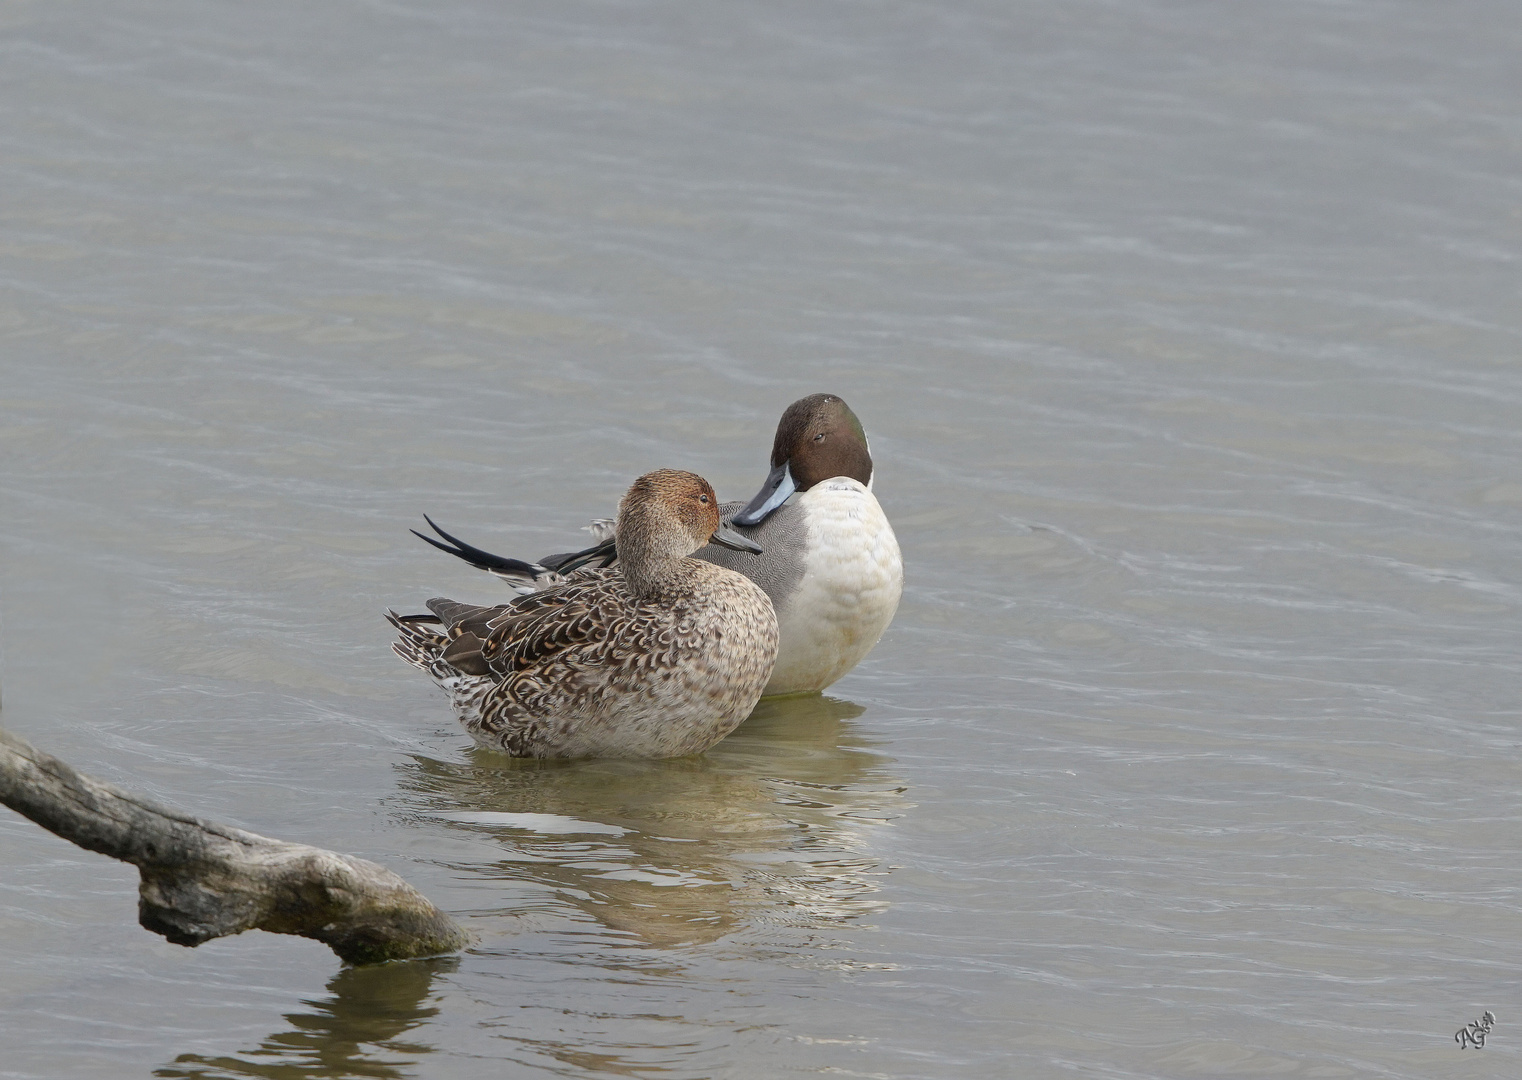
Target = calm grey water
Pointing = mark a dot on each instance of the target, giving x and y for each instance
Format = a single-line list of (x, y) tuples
[(1187, 336)]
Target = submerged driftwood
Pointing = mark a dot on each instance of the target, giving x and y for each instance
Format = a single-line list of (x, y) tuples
[(202, 881)]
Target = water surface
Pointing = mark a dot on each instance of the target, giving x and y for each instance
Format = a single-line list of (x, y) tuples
[(1186, 335)]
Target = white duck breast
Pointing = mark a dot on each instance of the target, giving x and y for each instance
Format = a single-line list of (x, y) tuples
[(832, 568)]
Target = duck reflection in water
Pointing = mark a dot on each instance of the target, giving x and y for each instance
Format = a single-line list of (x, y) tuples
[(772, 828), (354, 1033), (768, 835)]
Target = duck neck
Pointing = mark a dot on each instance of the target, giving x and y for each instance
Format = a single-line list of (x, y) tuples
[(652, 559)]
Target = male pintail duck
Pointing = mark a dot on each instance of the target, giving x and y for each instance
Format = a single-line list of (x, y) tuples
[(830, 562), (659, 656)]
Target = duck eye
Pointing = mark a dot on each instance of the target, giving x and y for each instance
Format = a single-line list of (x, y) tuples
[(703, 499)]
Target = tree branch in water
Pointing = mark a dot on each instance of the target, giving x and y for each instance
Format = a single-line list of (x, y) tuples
[(201, 880)]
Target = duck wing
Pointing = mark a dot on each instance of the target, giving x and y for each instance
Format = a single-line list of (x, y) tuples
[(471, 618), (509, 638)]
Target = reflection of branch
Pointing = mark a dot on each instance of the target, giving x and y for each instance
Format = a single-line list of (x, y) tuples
[(202, 880), (360, 1031)]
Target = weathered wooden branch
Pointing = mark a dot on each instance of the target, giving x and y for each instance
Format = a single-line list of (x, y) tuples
[(202, 881)]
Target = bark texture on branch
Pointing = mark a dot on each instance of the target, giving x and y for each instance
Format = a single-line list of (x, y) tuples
[(201, 880)]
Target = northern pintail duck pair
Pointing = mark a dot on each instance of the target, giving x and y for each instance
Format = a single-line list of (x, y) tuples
[(660, 656), (828, 558)]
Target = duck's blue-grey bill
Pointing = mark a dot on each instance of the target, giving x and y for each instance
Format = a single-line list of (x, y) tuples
[(727, 537), (774, 492)]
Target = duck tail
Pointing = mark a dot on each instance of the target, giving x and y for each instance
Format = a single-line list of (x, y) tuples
[(524, 577), (417, 644)]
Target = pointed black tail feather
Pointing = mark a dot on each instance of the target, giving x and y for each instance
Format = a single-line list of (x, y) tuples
[(607, 552), (523, 576), (483, 560)]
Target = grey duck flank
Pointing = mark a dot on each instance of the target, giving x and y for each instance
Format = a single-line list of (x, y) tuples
[(660, 655)]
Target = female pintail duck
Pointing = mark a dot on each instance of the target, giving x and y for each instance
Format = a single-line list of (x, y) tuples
[(830, 562), (659, 656)]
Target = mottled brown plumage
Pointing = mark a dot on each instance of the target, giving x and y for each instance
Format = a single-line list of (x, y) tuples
[(660, 656)]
